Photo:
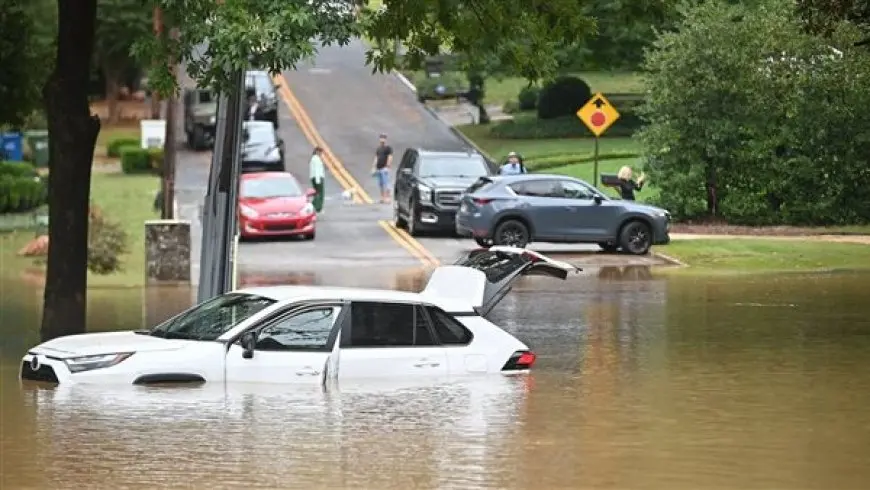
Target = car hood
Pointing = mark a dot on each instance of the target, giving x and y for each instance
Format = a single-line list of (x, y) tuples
[(275, 204), (104, 343), (260, 152), (205, 110), (448, 182)]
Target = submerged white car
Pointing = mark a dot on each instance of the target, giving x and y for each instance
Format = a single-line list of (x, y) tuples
[(308, 334)]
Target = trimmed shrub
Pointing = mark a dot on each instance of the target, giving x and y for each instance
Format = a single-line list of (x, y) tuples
[(135, 160), (113, 149), (21, 188), (562, 97), (510, 107), (107, 242), (155, 157), (529, 127), (555, 161), (528, 98)]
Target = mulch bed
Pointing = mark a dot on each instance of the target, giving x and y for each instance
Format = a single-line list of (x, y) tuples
[(726, 229)]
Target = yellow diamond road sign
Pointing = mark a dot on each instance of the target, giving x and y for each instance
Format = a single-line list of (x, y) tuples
[(598, 114)]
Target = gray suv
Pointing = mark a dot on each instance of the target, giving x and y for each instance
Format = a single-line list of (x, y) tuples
[(518, 209)]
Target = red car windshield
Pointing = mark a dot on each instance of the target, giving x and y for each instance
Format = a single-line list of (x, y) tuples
[(270, 187)]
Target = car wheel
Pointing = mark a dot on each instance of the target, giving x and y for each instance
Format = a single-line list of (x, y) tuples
[(609, 247), (483, 242), (189, 139), (512, 233), (635, 238), (412, 220), (309, 236), (198, 138), (397, 218)]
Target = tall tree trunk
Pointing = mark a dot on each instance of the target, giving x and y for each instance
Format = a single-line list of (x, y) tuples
[(113, 91), (72, 137)]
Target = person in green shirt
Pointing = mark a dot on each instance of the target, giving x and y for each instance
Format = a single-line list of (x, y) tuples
[(317, 175)]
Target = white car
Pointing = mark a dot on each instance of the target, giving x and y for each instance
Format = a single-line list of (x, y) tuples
[(309, 334)]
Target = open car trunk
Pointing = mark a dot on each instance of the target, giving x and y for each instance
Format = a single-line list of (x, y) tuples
[(484, 276)]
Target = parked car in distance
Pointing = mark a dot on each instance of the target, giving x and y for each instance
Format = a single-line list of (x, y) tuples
[(266, 91), (429, 185), (518, 209), (274, 204), (200, 116), (262, 148), (309, 335)]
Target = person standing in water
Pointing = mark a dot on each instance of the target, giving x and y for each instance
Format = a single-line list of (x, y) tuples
[(317, 175), (627, 185)]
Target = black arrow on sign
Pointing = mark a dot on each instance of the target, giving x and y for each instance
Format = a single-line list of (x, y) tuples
[(598, 103)]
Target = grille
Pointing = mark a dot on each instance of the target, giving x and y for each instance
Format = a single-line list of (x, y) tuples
[(448, 198), (44, 373), (280, 227)]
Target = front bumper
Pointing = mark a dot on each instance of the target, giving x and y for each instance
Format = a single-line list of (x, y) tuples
[(258, 165), (267, 226), (431, 217)]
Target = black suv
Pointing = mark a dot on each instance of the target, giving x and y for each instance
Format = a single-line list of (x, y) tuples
[(429, 186), (260, 83)]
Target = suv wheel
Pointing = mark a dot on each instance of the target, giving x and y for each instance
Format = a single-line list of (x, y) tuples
[(512, 233), (635, 238), (483, 242), (412, 219), (198, 138), (397, 218)]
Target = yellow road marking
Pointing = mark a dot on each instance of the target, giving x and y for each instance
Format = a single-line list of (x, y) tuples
[(344, 178)]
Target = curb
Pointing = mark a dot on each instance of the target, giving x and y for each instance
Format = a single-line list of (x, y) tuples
[(669, 259), (407, 83)]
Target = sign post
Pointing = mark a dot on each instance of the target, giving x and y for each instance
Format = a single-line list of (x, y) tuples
[(598, 115)]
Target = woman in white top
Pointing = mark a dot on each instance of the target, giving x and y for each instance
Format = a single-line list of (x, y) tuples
[(317, 175)]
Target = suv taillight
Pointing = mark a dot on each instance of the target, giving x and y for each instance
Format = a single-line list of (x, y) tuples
[(520, 360), (480, 201)]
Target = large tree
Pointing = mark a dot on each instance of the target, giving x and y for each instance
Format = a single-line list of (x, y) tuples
[(217, 38)]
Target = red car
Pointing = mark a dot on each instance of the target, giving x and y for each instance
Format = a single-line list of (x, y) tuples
[(274, 204)]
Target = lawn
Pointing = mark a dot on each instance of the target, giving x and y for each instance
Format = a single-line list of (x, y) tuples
[(108, 134), (537, 148), (754, 255), (124, 198)]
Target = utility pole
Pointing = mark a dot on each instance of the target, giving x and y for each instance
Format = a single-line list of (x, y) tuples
[(169, 154)]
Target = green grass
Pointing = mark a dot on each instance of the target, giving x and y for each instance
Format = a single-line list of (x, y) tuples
[(108, 134), (537, 148), (745, 255), (127, 199)]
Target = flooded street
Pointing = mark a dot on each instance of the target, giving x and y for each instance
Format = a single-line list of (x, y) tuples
[(642, 382)]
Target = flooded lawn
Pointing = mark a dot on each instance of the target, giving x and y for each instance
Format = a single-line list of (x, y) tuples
[(642, 382)]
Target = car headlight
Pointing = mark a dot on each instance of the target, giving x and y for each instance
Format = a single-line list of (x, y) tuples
[(88, 363), (308, 209), (212, 120), (247, 211), (425, 193)]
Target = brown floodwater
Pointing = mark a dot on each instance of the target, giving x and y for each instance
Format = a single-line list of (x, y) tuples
[(642, 382)]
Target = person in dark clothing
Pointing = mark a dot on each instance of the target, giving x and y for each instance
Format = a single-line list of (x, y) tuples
[(381, 167), (252, 106), (627, 185)]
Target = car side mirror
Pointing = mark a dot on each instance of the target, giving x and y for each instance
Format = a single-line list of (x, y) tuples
[(249, 343), (280, 143), (597, 199), (406, 171), (245, 135)]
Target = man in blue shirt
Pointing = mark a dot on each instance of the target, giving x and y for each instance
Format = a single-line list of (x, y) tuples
[(514, 165)]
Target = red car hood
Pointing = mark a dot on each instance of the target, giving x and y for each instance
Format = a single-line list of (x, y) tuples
[(275, 204)]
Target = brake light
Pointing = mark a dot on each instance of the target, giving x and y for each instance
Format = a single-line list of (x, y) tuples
[(520, 360), (481, 201)]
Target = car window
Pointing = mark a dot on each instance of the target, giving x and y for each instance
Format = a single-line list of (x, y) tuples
[(449, 331), (480, 185), (452, 166), (388, 325), (260, 134), (205, 96), (307, 330), (264, 188), (574, 190), (535, 188), (210, 320), (261, 84)]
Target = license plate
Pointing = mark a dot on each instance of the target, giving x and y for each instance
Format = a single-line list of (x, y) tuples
[(463, 208)]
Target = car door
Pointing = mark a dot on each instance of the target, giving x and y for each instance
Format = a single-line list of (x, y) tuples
[(589, 219), (389, 339), (546, 211), (290, 347), (400, 193)]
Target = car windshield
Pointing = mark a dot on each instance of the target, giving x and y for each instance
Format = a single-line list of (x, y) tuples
[(211, 319), (283, 186), (205, 97), (261, 84), (260, 134), (453, 167)]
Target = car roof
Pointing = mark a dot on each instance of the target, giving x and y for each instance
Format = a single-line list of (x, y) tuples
[(535, 176), (258, 124), (453, 153), (301, 292), (266, 175)]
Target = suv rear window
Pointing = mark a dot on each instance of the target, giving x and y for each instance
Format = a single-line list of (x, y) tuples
[(482, 183)]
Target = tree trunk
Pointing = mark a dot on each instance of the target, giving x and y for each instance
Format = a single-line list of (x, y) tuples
[(712, 187), (72, 137), (113, 89)]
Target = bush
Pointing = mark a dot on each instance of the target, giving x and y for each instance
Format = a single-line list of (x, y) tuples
[(21, 188), (554, 161), (155, 159), (752, 138), (562, 97), (528, 98), (107, 242), (510, 107), (135, 160), (113, 149)]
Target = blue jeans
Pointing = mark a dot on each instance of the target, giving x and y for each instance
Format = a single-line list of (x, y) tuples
[(382, 175)]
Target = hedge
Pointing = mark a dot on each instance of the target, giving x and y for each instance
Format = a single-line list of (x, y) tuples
[(135, 160), (21, 188), (113, 149), (554, 161), (527, 126)]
